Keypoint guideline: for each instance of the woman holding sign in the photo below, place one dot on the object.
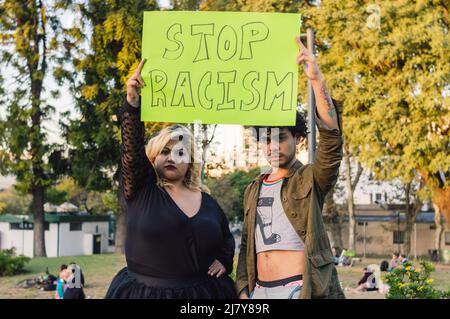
(178, 241)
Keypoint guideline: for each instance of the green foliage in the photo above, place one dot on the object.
(10, 264)
(271, 5)
(75, 194)
(25, 52)
(408, 282)
(387, 61)
(14, 202)
(29, 49)
(110, 201)
(55, 197)
(99, 203)
(95, 202)
(392, 78)
(252, 5)
(228, 190)
(114, 31)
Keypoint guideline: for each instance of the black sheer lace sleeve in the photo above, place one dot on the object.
(137, 171)
(226, 251)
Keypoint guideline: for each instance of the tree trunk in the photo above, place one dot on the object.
(441, 198)
(408, 233)
(332, 220)
(36, 75)
(411, 212)
(205, 144)
(409, 221)
(439, 229)
(350, 204)
(38, 224)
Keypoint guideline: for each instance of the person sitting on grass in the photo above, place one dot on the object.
(75, 283)
(366, 283)
(402, 259)
(336, 255)
(60, 283)
(394, 261)
(383, 288)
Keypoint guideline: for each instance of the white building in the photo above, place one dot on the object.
(65, 234)
(368, 191)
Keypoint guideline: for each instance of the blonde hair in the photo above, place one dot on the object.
(192, 180)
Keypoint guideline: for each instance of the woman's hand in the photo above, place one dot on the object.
(134, 85)
(216, 269)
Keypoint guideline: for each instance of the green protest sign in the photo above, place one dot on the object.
(220, 67)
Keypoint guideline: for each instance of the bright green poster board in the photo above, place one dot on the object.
(220, 67)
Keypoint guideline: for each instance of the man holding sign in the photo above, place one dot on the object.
(285, 251)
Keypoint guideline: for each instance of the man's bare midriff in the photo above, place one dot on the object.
(279, 264)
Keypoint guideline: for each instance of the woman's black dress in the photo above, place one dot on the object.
(167, 252)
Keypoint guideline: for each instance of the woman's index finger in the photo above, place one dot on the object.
(140, 66)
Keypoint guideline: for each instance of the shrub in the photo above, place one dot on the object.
(407, 282)
(10, 264)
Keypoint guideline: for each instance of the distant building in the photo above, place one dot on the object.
(380, 216)
(380, 230)
(65, 234)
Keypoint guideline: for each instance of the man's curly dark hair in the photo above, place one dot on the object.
(299, 129)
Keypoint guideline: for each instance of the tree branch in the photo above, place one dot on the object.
(358, 175)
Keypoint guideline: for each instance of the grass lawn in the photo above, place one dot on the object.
(100, 269)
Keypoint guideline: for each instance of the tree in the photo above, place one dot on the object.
(413, 201)
(253, 5)
(113, 30)
(205, 141)
(229, 189)
(186, 4)
(332, 218)
(439, 193)
(55, 197)
(389, 65)
(14, 202)
(74, 193)
(350, 186)
(28, 45)
(219, 5)
(94, 202)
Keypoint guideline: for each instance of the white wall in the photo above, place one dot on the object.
(22, 240)
(3, 235)
(71, 243)
(88, 246)
(51, 240)
(76, 243)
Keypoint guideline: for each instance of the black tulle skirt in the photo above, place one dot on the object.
(127, 285)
